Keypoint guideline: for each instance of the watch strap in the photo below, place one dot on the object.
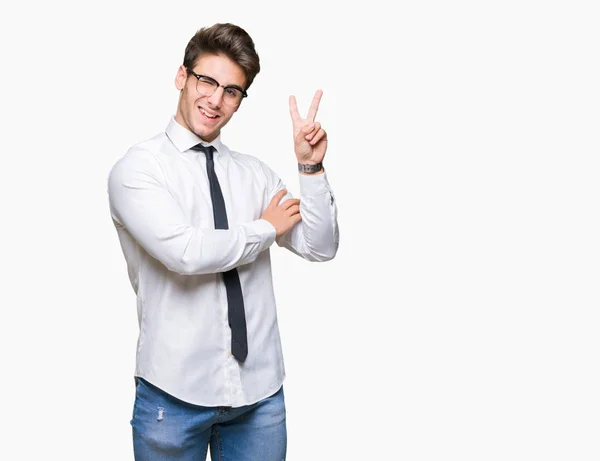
(309, 168)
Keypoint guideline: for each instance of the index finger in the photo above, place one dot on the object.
(289, 202)
(312, 112)
(294, 109)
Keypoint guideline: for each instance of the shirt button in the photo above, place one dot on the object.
(230, 354)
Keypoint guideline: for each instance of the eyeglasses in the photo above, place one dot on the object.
(206, 86)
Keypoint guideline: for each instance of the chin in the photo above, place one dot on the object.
(205, 132)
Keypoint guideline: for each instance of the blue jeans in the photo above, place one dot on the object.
(166, 428)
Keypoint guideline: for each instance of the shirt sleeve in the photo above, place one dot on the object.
(316, 237)
(141, 202)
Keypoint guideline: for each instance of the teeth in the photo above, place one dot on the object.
(208, 115)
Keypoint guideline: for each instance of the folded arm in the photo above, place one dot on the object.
(141, 202)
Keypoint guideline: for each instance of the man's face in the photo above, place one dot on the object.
(206, 115)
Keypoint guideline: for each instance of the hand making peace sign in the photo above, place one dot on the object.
(310, 140)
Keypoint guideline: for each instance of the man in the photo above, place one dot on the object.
(195, 221)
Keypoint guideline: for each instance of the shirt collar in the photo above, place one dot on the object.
(184, 139)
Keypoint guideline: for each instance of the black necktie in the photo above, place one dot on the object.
(235, 299)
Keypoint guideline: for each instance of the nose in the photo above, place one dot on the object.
(216, 98)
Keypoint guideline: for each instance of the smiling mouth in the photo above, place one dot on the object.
(208, 115)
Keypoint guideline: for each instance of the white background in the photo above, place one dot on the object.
(460, 317)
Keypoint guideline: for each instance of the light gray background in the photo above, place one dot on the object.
(460, 317)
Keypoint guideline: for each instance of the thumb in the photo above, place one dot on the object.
(277, 197)
(300, 138)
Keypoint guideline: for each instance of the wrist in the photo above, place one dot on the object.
(310, 167)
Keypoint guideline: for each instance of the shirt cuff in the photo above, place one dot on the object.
(261, 231)
(313, 184)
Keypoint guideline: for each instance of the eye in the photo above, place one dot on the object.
(233, 92)
(206, 81)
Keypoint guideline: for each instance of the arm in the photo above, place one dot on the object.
(316, 236)
(141, 202)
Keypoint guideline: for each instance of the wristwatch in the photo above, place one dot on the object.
(308, 168)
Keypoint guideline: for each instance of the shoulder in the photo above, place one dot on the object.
(143, 156)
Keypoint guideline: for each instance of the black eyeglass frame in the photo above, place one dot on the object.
(235, 87)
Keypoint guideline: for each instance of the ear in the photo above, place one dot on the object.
(180, 78)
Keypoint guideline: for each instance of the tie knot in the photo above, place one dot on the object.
(208, 150)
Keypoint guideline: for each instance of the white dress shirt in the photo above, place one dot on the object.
(161, 206)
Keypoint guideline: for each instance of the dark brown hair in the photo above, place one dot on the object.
(226, 39)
